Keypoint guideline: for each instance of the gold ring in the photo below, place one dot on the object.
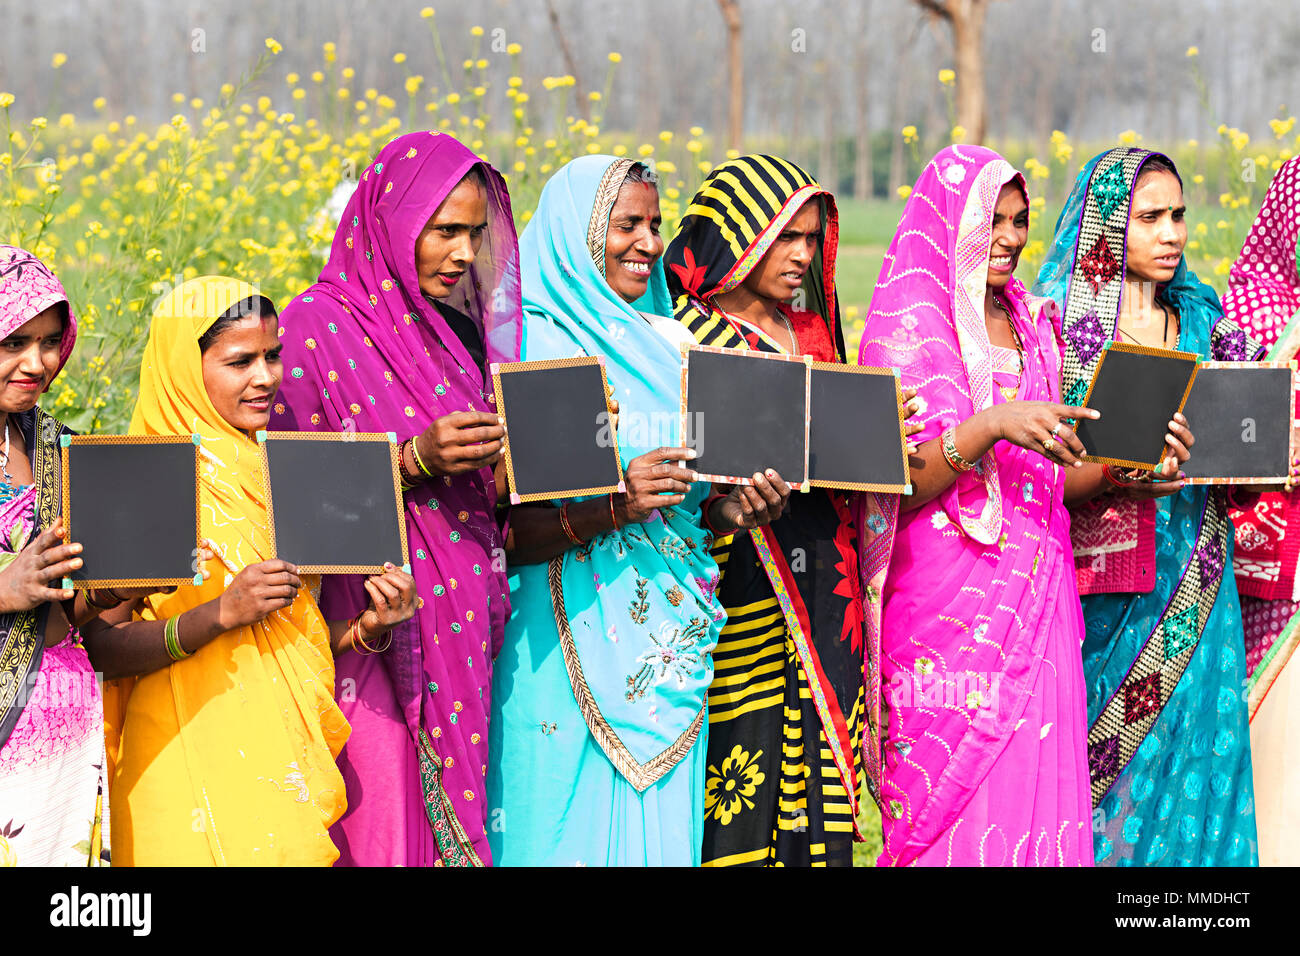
(1049, 445)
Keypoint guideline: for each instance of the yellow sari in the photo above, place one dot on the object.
(226, 757)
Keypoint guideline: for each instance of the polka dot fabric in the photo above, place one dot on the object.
(1264, 285)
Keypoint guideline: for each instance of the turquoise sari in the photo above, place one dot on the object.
(1169, 740)
(598, 731)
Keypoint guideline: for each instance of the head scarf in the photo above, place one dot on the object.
(247, 727)
(1264, 285)
(571, 309)
(740, 209)
(931, 291)
(28, 288)
(364, 350)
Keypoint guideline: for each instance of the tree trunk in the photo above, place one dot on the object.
(735, 73)
(584, 105)
(966, 20)
(862, 185)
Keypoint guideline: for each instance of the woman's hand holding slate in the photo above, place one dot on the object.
(1040, 427)
(461, 442)
(1166, 478)
(257, 592)
(392, 601)
(25, 583)
(752, 506)
(653, 482)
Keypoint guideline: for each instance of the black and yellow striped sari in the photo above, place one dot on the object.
(787, 707)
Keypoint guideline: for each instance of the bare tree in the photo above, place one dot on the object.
(862, 187)
(584, 106)
(735, 72)
(966, 20)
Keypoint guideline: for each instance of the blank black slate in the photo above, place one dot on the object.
(854, 435)
(746, 413)
(132, 509)
(334, 503)
(1137, 395)
(1241, 418)
(560, 441)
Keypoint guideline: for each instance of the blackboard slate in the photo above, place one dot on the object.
(1137, 390)
(559, 439)
(745, 412)
(334, 501)
(1242, 414)
(855, 429)
(131, 503)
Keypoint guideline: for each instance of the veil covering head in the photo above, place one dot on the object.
(246, 729)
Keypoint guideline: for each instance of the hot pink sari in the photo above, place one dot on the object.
(985, 752)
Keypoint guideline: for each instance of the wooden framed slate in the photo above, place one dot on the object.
(1243, 417)
(855, 429)
(132, 503)
(560, 440)
(334, 501)
(1137, 389)
(744, 412)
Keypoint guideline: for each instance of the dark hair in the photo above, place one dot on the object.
(641, 173)
(477, 175)
(1156, 163)
(253, 305)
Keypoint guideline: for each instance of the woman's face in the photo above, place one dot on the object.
(449, 241)
(1157, 228)
(780, 272)
(242, 371)
(29, 360)
(1010, 233)
(632, 243)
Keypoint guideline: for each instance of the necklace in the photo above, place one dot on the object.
(1164, 339)
(794, 345)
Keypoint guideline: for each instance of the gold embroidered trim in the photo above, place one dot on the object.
(606, 193)
(640, 775)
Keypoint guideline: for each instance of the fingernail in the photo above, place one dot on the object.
(76, 562)
(692, 454)
(1078, 464)
(76, 549)
(501, 420)
(695, 476)
(757, 476)
(388, 566)
(770, 473)
(1182, 474)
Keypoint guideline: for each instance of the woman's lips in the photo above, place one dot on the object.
(260, 404)
(450, 278)
(27, 384)
(638, 267)
(1002, 263)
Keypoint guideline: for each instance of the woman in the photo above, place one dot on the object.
(984, 756)
(598, 735)
(788, 709)
(52, 783)
(1263, 295)
(420, 294)
(228, 737)
(1168, 744)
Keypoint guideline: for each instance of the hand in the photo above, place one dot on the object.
(613, 413)
(653, 482)
(1166, 478)
(910, 408)
(1292, 475)
(392, 601)
(25, 583)
(752, 506)
(257, 592)
(461, 442)
(1040, 427)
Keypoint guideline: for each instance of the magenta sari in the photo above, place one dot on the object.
(365, 351)
(985, 756)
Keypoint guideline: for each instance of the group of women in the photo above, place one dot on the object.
(1028, 660)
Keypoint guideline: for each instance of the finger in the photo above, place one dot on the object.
(1074, 411)
(666, 486)
(676, 472)
(60, 553)
(668, 454)
(468, 453)
(278, 592)
(913, 429)
(63, 569)
(481, 433)
(285, 577)
(391, 593)
(377, 599)
(778, 483)
(49, 595)
(47, 538)
(1178, 448)
(909, 394)
(460, 420)
(1183, 434)
(771, 497)
(613, 406)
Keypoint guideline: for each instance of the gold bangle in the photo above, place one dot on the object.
(359, 644)
(948, 442)
(172, 639)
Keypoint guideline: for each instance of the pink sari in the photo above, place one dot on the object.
(985, 755)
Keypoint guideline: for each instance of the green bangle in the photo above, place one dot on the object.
(415, 453)
(172, 640)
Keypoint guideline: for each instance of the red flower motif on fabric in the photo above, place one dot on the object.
(1099, 265)
(690, 274)
(1142, 698)
(849, 585)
